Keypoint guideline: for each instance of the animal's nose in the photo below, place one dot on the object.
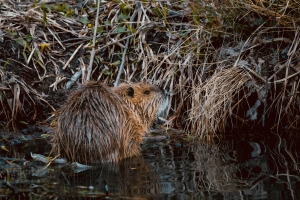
(166, 93)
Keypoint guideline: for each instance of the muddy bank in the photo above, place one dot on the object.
(220, 69)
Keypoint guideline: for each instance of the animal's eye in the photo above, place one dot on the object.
(130, 92)
(147, 92)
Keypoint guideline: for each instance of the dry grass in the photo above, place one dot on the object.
(286, 12)
(204, 53)
(214, 102)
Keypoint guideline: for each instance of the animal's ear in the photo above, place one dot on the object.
(130, 92)
(144, 80)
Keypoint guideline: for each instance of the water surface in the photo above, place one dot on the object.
(173, 169)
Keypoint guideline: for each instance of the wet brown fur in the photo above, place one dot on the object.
(103, 124)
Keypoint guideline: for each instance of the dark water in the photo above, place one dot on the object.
(265, 168)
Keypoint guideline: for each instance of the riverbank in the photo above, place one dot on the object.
(225, 65)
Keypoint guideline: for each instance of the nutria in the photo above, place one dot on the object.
(103, 124)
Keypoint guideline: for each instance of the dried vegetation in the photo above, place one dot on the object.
(225, 64)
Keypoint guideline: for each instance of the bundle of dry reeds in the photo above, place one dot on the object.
(214, 102)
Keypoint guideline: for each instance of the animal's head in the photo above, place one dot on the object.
(148, 100)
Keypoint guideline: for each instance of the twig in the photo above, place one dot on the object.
(137, 6)
(51, 161)
(254, 73)
(29, 58)
(67, 63)
(73, 79)
(267, 73)
(56, 38)
(89, 68)
(16, 62)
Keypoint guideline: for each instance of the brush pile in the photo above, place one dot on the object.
(225, 64)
